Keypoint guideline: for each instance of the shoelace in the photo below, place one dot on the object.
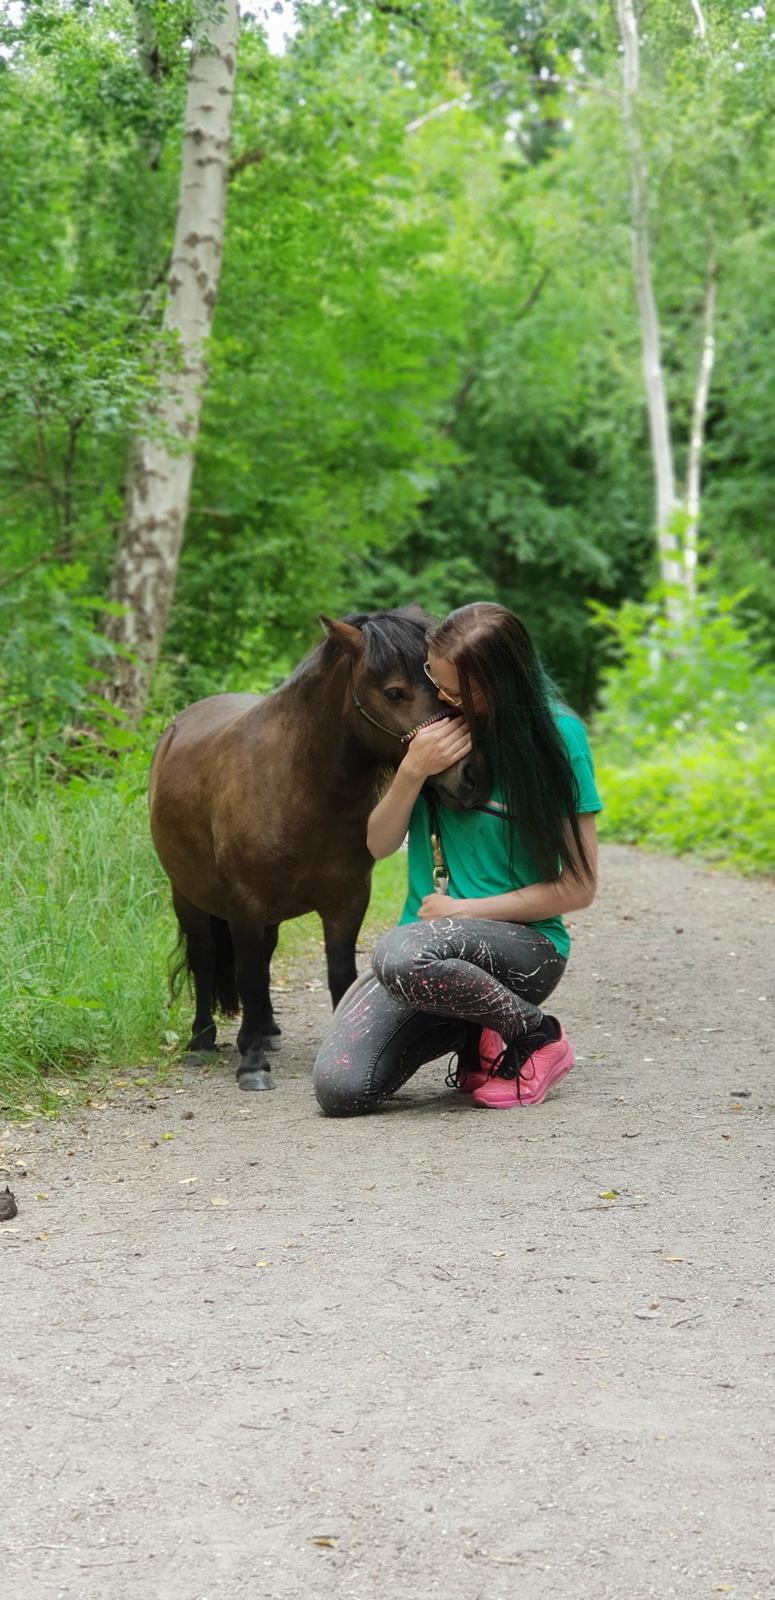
(513, 1066)
(495, 1065)
(508, 1064)
(452, 1078)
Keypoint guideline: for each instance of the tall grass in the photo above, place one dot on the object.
(87, 931)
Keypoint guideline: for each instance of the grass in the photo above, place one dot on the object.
(86, 934)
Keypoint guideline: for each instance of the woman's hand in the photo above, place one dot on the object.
(442, 905)
(434, 749)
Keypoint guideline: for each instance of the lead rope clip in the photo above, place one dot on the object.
(440, 875)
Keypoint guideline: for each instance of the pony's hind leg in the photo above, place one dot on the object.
(200, 959)
(252, 969)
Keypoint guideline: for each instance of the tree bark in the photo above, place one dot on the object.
(161, 462)
(670, 565)
(702, 27)
(699, 411)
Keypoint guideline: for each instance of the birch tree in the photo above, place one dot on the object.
(162, 458)
(697, 436)
(670, 565)
(677, 561)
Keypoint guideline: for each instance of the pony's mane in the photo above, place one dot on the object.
(392, 639)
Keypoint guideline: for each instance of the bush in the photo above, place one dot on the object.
(685, 737)
(52, 661)
(714, 801)
(676, 679)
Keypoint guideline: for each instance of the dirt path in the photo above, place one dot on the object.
(251, 1352)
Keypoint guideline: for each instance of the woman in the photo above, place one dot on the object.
(489, 950)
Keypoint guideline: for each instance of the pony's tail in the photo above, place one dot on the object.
(225, 997)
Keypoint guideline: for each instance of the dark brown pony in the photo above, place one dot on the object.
(259, 811)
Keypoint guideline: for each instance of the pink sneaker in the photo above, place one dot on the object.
(539, 1074)
(488, 1052)
(468, 1082)
(469, 1079)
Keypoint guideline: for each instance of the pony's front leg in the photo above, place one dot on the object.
(341, 928)
(270, 1028)
(252, 970)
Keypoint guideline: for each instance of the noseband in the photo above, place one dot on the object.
(406, 738)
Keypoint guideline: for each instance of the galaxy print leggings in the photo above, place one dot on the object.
(433, 987)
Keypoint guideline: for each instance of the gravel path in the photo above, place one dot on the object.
(435, 1352)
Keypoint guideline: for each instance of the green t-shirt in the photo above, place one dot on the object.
(476, 843)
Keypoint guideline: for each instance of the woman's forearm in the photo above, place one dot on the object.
(535, 902)
(389, 820)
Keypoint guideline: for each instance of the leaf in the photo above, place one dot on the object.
(218, 1200)
(263, 1263)
(168, 1136)
(673, 1258)
(609, 1194)
(326, 1541)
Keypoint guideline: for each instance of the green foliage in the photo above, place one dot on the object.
(713, 801)
(686, 733)
(425, 365)
(676, 678)
(51, 667)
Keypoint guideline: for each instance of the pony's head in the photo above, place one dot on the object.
(388, 695)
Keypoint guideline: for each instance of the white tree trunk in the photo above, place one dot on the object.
(670, 565)
(702, 28)
(697, 437)
(161, 462)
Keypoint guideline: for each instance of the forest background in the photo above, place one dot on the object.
(495, 319)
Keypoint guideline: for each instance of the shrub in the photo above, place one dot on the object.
(685, 738)
(700, 675)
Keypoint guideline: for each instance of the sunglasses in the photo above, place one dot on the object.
(451, 699)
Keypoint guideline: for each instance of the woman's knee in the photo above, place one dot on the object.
(338, 1097)
(389, 962)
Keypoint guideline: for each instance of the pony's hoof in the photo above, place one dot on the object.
(270, 1042)
(254, 1079)
(201, 1043)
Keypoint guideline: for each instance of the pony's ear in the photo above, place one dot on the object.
(348, 638)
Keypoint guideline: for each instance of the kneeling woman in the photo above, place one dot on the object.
(484, 955)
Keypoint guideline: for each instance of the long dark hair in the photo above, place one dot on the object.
(490, 647)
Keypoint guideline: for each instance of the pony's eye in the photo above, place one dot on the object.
(394, 695)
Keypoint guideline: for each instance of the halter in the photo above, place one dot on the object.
(406, 738)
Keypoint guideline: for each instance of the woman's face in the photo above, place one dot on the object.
(444, 675)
